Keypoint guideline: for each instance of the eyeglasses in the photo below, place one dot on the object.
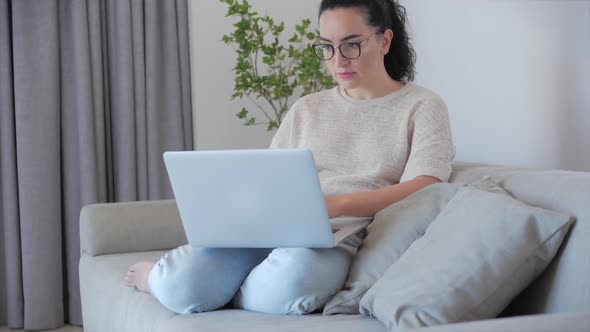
(351, 50)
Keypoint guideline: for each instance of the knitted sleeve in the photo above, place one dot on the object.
(431, 146)
(283, 138)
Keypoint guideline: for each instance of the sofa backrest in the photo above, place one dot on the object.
(565, 285)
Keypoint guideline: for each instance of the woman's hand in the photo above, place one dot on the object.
(368, 203)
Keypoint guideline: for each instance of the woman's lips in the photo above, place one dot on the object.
(344, 75)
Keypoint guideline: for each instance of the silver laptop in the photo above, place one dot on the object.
(254, 199)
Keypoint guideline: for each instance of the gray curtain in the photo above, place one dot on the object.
(91, 94)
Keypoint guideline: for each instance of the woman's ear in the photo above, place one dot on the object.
(386, 40)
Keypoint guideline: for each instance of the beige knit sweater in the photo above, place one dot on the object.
(361, 145)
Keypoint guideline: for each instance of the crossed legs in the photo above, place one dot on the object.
(279, 281)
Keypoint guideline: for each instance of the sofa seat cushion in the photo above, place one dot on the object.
(245, 321)
(111, 306)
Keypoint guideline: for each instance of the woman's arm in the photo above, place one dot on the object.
(361, 204)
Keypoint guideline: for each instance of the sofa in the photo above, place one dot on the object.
(115, 235)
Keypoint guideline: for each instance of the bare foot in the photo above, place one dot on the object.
(137, 275)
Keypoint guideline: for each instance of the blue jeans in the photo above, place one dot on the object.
(279, 281)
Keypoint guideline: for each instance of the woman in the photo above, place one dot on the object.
(376, 139)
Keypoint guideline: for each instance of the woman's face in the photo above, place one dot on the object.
(344, 25)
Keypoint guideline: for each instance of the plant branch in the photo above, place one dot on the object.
(257, 123)
(259, 107)
(287, 67)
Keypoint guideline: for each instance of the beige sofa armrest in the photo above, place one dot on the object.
(130, 227)
(562, 322)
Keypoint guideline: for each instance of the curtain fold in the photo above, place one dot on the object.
(91, 94)
(11, 288)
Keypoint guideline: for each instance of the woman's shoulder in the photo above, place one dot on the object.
(426, 104)
(422, 94)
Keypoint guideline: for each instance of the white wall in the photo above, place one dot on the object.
(515, 75)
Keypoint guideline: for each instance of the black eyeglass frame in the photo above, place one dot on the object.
(319, 48)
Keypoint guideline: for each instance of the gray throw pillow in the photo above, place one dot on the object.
(392, 231)
(480, 252)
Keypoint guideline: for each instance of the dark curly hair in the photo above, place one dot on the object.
(383, 15)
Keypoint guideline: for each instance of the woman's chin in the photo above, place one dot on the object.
(348, 83)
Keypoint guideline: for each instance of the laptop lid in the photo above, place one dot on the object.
(250, 198)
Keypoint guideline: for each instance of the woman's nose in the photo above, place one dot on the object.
(340, 60)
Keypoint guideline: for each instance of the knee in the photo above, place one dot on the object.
(294, 281)
(180, 282)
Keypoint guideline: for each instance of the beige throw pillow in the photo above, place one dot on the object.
(481, 251)
(392, 231)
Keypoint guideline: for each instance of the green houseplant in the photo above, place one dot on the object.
(269, 72)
